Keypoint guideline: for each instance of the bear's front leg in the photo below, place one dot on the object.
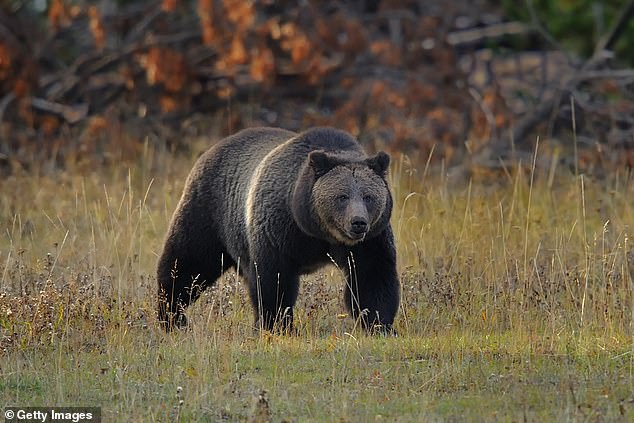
(372, 291)
(273, 290)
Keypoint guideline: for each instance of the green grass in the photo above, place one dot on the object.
(517, 305)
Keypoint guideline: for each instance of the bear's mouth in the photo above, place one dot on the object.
(356, 236)
(347, 236)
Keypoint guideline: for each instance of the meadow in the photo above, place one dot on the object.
(517, 305)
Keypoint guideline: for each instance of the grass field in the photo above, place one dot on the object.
(517, 305)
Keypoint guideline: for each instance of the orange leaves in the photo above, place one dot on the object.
(237, 52)
(250, 45)
(151, 63)
(5, 62)
(168, 103)
(49, 124)
(262, 66)
(272, 27)
(241, 13)
(488, 114)
(18, 73)
(386, 52)
(96, 27)
(306, 57)
(166, 67)
(234, 38)
(169, 5)
(294, 41)
(206, 16)
(299, 48)
(396, 99)
(58, 15)
(61, 14)
(21, 87)
(96, 125)
(235, 55)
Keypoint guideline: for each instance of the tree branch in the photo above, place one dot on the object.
(568, 84)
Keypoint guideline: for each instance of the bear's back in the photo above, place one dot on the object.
(253, 145)
(328, 139)
(279, 167)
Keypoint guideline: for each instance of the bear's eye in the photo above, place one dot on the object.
(343, 197)
(368, 198)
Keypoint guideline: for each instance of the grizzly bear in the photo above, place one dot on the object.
(275, 204)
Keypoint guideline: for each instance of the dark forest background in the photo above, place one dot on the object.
(467, 83)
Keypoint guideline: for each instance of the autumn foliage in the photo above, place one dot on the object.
(89, 78)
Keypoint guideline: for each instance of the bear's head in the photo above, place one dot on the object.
(348, 199)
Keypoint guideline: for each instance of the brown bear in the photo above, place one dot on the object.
(276, 204)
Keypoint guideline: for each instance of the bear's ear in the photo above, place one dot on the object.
(379, 163)
(321, 162)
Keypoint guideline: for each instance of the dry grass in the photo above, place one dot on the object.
(518, 303)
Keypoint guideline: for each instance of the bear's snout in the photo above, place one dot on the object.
(359, 225)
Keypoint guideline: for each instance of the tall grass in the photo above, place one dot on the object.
(501, 280)
(524, 254)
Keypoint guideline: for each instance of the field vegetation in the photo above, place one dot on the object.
(516, 259)
(517, 305)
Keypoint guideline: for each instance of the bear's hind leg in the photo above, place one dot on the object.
(183, 274)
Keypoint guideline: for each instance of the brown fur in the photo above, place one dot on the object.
(277, 204)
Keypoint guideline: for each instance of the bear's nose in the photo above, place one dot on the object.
(359, 225)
